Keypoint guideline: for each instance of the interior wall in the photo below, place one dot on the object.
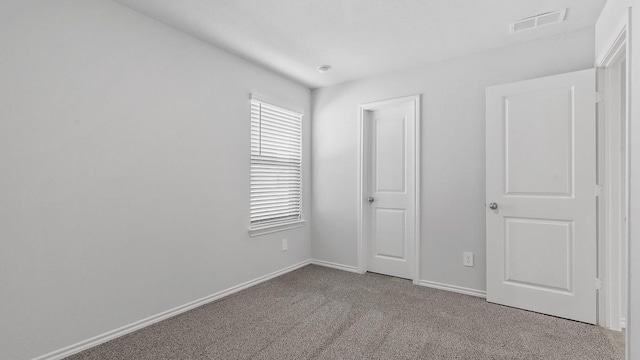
(124, 172)
(633, 314)
(453, 150)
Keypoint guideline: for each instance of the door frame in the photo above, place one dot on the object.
(363, 232)
(606, 259)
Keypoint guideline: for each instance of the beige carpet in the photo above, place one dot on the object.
(320, 313)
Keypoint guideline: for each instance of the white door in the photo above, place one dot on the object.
(390, 186)
(541, 180)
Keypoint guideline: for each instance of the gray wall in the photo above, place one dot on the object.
(453, 150)
(633, 314)
(124, 172)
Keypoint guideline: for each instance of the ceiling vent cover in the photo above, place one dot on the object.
(533, 22)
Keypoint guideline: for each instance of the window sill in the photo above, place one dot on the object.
(269, 229)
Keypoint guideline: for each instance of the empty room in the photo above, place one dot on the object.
(306, 179)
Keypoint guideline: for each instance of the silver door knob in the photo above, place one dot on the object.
(371, 199)
(493, 206)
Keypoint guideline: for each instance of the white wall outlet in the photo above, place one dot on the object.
(284, 245)
(467, 259)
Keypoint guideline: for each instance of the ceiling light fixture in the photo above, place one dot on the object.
(323, 68)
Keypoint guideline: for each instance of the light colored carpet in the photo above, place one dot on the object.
(320, 313)
(617, 338)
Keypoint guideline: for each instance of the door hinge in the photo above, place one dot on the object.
(598, 190)
(599, 97)
(598, 284)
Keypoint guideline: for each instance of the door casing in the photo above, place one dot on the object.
(363, 232)
(612, 248)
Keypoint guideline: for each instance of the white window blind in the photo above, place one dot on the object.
(276, 165)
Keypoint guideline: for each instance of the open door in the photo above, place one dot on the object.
(541, 195)
(390, 134)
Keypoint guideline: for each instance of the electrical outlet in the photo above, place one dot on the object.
(467, 259)
(284, 245)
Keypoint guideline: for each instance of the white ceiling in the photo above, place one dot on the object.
(359, 38)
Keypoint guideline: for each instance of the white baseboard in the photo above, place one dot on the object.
(431, 284)
(328, 264)
(623, 323)
(453, 288)
(110, 335)
(97, 340)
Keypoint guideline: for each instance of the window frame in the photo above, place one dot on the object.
(267, 226)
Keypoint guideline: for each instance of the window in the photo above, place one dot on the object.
(276, 168)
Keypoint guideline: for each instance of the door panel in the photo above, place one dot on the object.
(390, 148)
(548, 134)
(390, 228)
(390, 145)
(541, 239)
(539, 253)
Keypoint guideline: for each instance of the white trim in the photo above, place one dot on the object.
(97, 340)
(273, 228)
(349, 268)
(362, 259)
(429, 284)
(621, 26)
(361, 188)
(289, 108)
(610, 268)
(418, 194)
(617, 45)
(453, 288)
(623, 323)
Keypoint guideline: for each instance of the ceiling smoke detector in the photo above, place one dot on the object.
(323, 68)
(536, 21)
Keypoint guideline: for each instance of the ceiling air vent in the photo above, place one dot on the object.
(533, 22)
